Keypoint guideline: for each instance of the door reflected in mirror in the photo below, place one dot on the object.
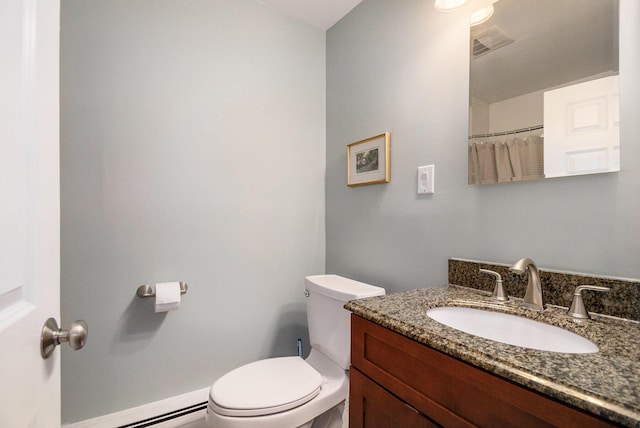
(544, 98)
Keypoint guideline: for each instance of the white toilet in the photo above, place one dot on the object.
(290, 392)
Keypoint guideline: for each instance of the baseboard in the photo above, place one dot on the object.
(169, 413)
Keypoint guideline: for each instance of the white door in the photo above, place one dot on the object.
(582, 128)
(29, 210)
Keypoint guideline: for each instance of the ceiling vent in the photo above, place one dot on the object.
(488, 41)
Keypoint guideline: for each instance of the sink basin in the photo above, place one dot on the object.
(512, 330)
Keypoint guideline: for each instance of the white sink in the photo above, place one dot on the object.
(512, 330)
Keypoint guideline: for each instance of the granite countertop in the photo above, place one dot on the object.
(606, 383)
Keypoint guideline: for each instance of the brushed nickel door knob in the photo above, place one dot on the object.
(53, 336)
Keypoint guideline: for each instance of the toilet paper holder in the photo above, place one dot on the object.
(146, 290)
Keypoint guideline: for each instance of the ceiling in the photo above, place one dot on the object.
(555, 42)
(531, 63)
(319, 13)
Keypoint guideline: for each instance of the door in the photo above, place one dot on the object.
(582, 128)
(29, 210)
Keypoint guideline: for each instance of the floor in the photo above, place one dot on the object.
(195, 424)
(330, 419)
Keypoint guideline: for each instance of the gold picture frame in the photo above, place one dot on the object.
(368, 161)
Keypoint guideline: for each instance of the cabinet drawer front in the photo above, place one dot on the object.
(449, 391)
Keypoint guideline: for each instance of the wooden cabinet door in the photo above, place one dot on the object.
(371, 406)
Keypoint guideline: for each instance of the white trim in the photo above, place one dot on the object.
(150, 410)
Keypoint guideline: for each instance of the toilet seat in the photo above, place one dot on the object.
(265, 387)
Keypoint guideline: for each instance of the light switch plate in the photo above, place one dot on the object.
(426, 178)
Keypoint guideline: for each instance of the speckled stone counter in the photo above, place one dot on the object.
(557, 287)
(606, 383)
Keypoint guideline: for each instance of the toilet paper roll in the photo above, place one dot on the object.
(167, 296)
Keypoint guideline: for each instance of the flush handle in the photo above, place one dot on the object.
(53, 336)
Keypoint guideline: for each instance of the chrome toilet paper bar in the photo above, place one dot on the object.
(146, 290)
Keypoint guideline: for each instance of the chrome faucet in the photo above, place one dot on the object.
(533, 295)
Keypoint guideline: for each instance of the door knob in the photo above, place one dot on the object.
(52, 336)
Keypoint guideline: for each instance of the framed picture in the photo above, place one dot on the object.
(368, 161)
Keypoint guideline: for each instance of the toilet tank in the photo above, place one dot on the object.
(329, 323)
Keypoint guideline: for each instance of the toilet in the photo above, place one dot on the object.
(289, 392)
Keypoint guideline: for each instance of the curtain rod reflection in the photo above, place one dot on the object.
(517, 131)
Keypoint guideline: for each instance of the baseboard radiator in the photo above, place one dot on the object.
(170, 413)
(175, 417)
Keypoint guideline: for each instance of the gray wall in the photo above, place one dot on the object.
(192, 149)
(401, 66)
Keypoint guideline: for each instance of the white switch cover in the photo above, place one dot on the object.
(426, 176)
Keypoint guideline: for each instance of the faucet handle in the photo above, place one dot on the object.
(498, 291)
(577, 309)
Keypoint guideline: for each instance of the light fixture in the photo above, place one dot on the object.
(447, 5)
(482, 15)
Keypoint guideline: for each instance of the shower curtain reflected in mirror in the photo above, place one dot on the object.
(506, 158)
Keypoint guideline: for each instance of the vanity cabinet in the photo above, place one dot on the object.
(398, 382)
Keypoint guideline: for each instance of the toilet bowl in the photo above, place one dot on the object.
(289, 392)
(276, 405)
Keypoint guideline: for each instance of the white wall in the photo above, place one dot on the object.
(403, 67)
(193, 150)
(516, 113)
(479, 117)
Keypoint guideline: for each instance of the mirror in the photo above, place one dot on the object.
(544, 99)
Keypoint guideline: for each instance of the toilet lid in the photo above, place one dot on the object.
(265, 387)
